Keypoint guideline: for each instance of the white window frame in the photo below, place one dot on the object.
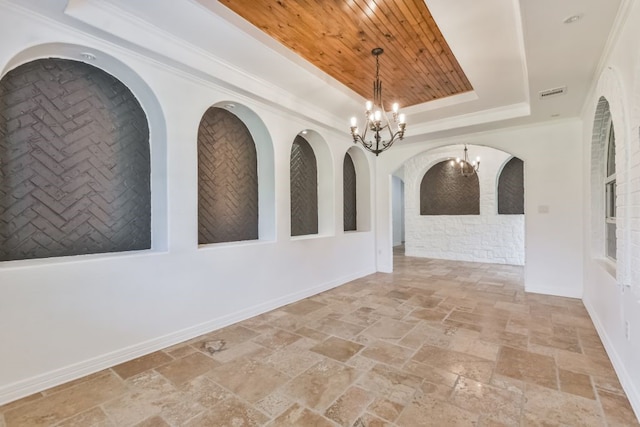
(610, 193)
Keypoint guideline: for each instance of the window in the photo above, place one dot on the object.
(75, 169)
(610, 195)
(227, 179)
(349, 194)
(304, 188)
(445, 191)
(511, 188)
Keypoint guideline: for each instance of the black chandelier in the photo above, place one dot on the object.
(467, 168)
(374, 115)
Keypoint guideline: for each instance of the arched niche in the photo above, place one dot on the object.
(149, 103)
(363, 188)
(511, 188)
(325, 180)
(266, 165)
(445, 191)
(227, 179)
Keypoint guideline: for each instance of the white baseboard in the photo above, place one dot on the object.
(567, 293)
(630, 388)
(23, 388)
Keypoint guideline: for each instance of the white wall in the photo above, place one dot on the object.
(64, 318)
(398, 211)
(612, 292)
(553, 199)
(487, 237)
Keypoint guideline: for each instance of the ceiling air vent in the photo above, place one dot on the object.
(552, 92)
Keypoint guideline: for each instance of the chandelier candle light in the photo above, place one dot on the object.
(467, 168)
(375, 114)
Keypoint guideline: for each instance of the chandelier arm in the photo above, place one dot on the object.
(358, 139)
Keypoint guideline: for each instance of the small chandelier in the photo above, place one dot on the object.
(467, 168)
(374, 115)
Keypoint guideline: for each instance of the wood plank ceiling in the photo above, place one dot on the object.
(337, 36)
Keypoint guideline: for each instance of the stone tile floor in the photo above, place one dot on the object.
(436, 343)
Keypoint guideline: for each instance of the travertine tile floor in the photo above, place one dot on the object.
(435, 343)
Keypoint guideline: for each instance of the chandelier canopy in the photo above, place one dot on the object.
(376, 119)
(467, 168)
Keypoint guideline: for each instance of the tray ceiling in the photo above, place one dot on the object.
(337, 37)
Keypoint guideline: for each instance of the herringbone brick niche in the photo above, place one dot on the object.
(444, 191)
(227, 179)
(74, 163)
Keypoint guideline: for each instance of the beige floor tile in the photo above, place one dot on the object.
(428, 314)
(361, 363)
(147, 394)
(464, 364)
(500, 404)
(617, 410)
(428, 412)
(584, 364)
(543, 406)
(249, 379)
(349, 406)
(574, 383)
(236, 351)
(180, 350)
(431, 333)
(311, 334)
(430, 373)
(476, 347)
(484, 320)
(609, 384)
(205, 392)
(305, 306)
(298, 416)
(234, 334)
(276, 339)
(153, 422)
(388, 353)
(562, 342)
(503, 337)
(385, 409)
(321, 384)
(187, 368)
(390, 383)
(337, 348)
(530, 367)
(290, 360)
(389, 329)
(94, 417)
(274, 404)
(61, 387)
(230, 413)
(369, 420)
(338, 328)
(66, 403)
(435, 391)
(141, 364)
(16, 403)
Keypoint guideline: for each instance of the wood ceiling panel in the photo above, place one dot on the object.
(337, 37)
